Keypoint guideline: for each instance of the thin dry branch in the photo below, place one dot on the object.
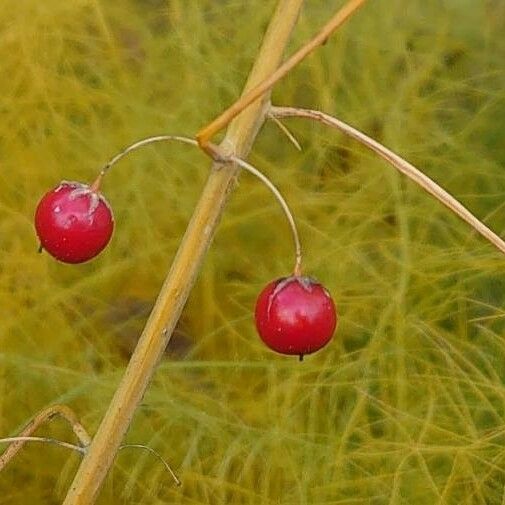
(406, 168)
(41, 418)
(168, 468)
(82, 450)
(284, 129)
(43, 440)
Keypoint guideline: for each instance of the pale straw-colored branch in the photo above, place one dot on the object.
(406, 168)
(43, 440)
(82, 450)
(41, 418)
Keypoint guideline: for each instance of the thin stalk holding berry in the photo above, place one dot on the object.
(230, 158)
(76, 199)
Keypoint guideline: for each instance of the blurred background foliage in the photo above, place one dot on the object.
(407, 405)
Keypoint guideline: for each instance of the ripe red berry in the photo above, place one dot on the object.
(73, 222)
(295, 315)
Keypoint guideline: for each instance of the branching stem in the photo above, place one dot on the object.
(181, 277)
(41, 418)
(82, 450)
(339, 18)
(225, 159)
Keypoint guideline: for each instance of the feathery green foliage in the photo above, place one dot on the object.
(407, 405)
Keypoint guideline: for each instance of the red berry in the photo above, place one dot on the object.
(295, 315)
(74, 223)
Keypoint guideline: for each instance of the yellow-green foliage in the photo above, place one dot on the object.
(407, 405)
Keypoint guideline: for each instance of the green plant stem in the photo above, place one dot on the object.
(180, 279)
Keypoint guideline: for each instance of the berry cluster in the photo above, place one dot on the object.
(294, 315)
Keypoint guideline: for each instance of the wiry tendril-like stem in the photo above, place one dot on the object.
(83, 450)
(41, 418)
(222, 158)
(158, 456)
(133, 147)
(296, 238)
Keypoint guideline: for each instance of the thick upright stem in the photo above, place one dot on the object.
(181, 277)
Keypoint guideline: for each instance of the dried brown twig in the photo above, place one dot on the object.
(41, 418)
(44, 416)
(406, 168)
(337, 20)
